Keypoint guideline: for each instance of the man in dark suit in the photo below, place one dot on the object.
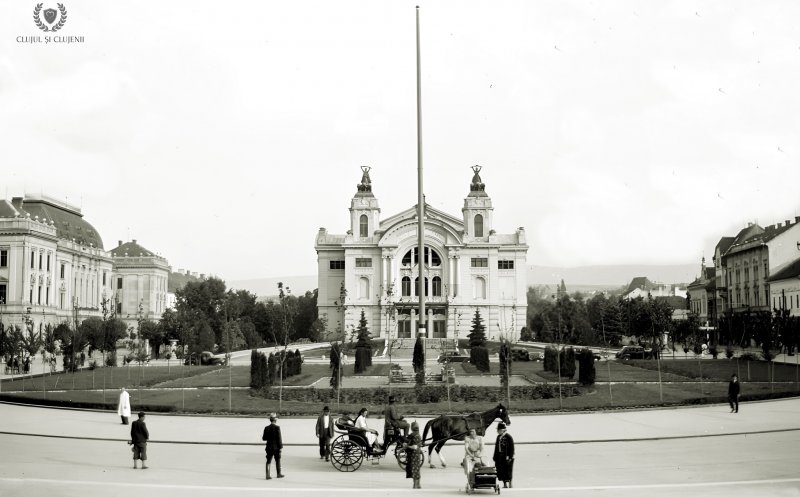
(139, 438)
(393, 419)
(504, 455)
(272, 435)
(325, 433)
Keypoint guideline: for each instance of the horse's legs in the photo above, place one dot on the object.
(438, 447)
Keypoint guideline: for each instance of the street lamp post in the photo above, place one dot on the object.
(558, 353)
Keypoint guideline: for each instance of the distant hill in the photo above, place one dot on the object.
(584, 279)
(179, 280)
(267, 287)
(613, 276)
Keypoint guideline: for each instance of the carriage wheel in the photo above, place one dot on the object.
(400, 454)
(346, 455)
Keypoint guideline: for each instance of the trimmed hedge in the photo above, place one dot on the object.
(567, 362)
(421, 394)
(550, 359)
(586, 371)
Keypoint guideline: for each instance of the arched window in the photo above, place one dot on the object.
(363, 288)
(432, 258)
(406, 286)
(478, 225)
(416, 286)
(363, 226)
(480, 288)
(437, 286)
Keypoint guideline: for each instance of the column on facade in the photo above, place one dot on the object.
(457, 271)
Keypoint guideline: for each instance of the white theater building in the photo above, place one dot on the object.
(375, 267)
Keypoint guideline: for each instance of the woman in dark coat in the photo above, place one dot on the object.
(414, 455)
(504, 455)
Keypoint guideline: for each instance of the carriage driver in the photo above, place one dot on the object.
(394, 419)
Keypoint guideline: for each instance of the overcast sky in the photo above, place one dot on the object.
(224, 134)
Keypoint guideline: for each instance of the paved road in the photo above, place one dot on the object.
(565, 454)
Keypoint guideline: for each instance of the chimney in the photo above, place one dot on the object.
(119, 243)
(788, 222)
(797, 219)
(749, 224)
(134, 240)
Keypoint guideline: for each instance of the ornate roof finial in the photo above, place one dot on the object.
(477, 185)
(366, 183)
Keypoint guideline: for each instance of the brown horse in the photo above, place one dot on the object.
(455, 427)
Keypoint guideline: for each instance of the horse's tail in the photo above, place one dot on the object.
(429, 424)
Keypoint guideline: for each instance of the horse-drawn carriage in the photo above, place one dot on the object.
(351, 447)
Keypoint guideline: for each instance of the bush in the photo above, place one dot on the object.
(111, 360)
(567, 362)
(550, 361)
(728, 351)
(697, 348)
(586, 373)
(713, 351)
(525, 334)
(92, 365)
(479, 356)
(748, 356)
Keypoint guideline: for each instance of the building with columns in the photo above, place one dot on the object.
(140, 282)
(466, 266)
(54, 267)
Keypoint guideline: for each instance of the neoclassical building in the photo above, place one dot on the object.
(466, 265)
(54, 268)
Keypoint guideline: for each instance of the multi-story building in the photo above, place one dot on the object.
(140, 282)
(702, 295)
(54, 268)
(466, 266)
(753, 255)
(784, 288)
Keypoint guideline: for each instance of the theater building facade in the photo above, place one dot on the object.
(465, 266)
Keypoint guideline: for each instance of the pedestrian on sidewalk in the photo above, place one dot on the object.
(124, 406)
(272, 435)
(504, 455)
(733, 393)
(324, 432)
(139, 438)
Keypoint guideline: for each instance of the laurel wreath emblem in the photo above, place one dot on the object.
(56, 26)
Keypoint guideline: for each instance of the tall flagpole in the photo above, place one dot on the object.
(421, 319)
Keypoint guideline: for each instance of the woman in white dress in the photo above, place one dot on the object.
(473, 453)
(370, 434)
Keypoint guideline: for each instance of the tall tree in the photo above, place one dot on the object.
(363, 346)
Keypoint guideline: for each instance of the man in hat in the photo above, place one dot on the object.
(504, 455)
(272, 435)
(139, 438)
(325, 433)
(393, 419)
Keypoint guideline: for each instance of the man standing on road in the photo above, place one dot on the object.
(325, 433)
(139, 438)
(272, 435)
(733, 393)
(124, 407)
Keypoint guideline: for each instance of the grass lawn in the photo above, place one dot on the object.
(722, 369)
(634, 384)
(109, 378)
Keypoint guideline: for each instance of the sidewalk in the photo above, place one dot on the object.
(617, 425)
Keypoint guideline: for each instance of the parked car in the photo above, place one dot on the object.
(633, 352)
(204, 359)
(452, 356)
(520, 354)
